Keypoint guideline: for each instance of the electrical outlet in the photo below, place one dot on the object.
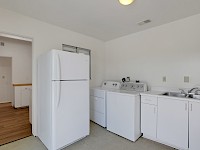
(186, 79)
(2, 43)
(164, 79)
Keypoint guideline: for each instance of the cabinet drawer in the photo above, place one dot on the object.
(97, 104)
(97, 93)
(153, 100)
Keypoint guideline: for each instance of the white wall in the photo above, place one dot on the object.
(46, 37)
(21, 53)
(171, 50)
(6, 88)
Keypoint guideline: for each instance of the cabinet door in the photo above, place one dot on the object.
(25, 96)
(194, 126)
(148, 120)
(17, 101)
(173, 122)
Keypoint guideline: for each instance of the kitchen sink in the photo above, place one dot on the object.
(195, 96)
(175, 94)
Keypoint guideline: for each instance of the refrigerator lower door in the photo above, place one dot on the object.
(70, 112)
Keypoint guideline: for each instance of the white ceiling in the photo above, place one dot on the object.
(104, 19)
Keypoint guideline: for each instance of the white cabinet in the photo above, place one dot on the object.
(22, 96)
(17, 99)
(149, 116)
(194, 126)
(171, 121)
(172, 127)
(25, 96)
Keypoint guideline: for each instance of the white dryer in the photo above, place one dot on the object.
(98, 101)
(123, 110)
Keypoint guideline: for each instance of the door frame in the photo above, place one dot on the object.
(34, 98)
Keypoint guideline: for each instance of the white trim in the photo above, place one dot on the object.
(16, 37)
(34, 103)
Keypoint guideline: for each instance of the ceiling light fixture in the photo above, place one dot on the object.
(126, 2)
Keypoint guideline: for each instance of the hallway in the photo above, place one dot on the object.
(14, 123)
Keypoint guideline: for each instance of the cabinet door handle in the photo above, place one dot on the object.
(185, 106)
(154, 110)
(190, 107)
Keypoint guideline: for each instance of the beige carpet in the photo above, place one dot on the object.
(99, 139)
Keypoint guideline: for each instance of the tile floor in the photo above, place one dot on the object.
(99, 139)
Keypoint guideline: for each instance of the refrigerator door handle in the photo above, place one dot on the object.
(59, 93)
(59, 66)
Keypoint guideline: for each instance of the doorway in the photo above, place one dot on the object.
(6, 89)
(15, 88)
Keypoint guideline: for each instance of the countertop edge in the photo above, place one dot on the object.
(24, 84)
(158, 94)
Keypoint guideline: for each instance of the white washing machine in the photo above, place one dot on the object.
(123, 110)
(98, 101)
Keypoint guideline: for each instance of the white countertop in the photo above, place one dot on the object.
(153, 93)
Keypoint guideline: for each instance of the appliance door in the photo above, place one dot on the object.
(69, 66)
(70, 112)
(123, 115)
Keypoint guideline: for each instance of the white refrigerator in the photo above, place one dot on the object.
(63, 98)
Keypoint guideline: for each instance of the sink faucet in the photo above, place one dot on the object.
(196, 92)
(182, 91)
(196, 88)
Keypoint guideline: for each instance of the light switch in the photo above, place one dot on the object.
(186, 79)
(164, 79)
(2, 43)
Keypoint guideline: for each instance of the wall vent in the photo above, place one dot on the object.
(144, 22)
(2, 43)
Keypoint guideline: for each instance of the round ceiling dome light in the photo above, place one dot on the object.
(126, 2)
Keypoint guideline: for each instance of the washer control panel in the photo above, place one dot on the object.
(111, 85)
(133, 86)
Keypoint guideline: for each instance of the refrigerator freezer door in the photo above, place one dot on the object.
(70, 112)
(69, 66)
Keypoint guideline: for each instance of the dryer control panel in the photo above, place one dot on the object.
(111, 85)
(133, 86)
